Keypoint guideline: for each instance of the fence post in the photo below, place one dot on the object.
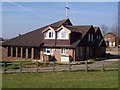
(103, 69)
(69, 65)
(21, 67)
(37, 67)
(4, 67)
(86, 65)
(53, 65)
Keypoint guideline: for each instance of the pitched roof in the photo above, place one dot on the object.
(35, 37)
(81, 28)
(61, 22)
(96, 29)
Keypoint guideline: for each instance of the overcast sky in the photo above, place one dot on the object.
(22, 17)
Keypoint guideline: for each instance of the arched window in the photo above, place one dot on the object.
(50, 34)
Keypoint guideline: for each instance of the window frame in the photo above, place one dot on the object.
(63, 51)
(62, 34)
(50, 34)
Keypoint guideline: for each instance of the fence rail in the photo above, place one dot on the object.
(54, 66)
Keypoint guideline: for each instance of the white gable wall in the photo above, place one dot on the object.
(47, 36)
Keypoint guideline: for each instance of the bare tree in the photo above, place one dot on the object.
(114, 29)
(104, 29)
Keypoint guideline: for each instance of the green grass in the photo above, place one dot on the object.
(74, 79)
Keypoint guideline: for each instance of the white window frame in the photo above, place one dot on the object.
(46, 51)
(59, 34)
(46, 34)
(63, 51)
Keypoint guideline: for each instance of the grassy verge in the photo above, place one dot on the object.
(75, 79)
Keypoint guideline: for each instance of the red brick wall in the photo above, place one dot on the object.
(4, 53)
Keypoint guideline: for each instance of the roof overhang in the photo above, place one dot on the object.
(46, 29)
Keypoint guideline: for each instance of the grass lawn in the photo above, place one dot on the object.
(66, 79)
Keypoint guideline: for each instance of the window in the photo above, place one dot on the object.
(48, 51)
(62, 34)
(50, 34)
(19, 52)
(29, 52)
(24, 53)
(9, 51)
(63, 51)
(89, 37)
(14, 51)
(92, 37)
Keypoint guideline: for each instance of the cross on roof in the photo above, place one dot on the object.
(66, 7)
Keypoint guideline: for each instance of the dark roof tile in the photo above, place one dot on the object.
(35, 37)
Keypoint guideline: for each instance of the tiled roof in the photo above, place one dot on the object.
(81, 28)
(35, 37)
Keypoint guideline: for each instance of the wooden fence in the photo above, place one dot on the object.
(52, 66)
